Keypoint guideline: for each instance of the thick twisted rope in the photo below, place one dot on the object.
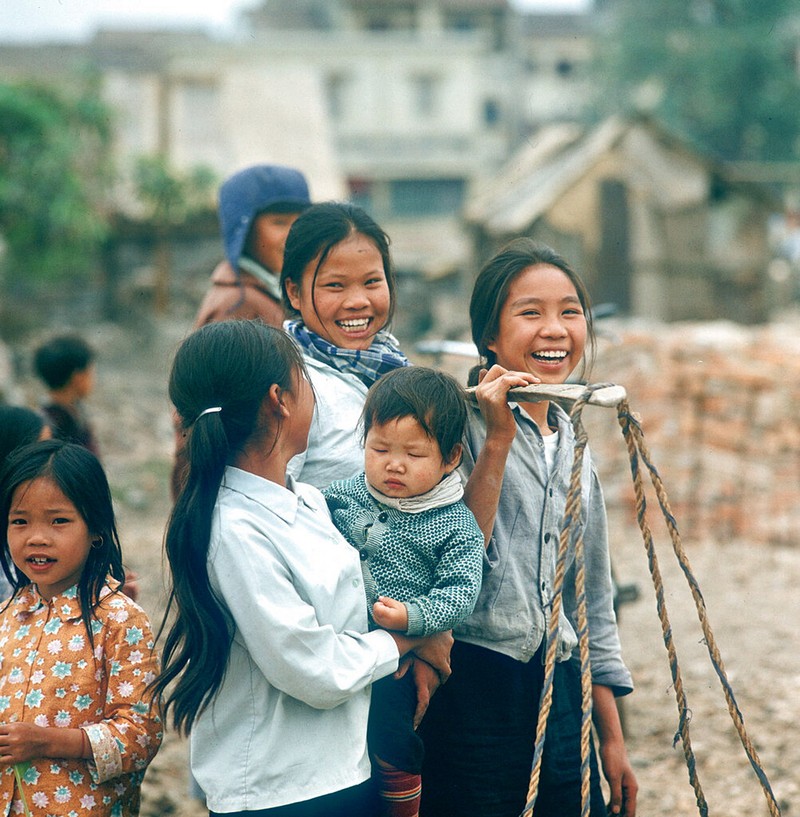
(634, 438)
(626, 420)
(571, 533)
(637, 449)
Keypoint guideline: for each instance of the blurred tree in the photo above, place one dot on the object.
(723, 73)
(171, 198)
(54, 177)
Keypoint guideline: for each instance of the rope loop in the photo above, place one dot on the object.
(572, 534)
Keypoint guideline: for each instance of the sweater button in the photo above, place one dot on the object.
(363, 554)
(383, 517)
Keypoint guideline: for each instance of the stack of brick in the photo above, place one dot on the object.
(720, 409)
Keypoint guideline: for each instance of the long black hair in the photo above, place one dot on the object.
(229, 367)
(80, 477)
(316, 232)
(490, 293)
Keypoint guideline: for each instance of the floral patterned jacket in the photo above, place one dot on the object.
(50, 676)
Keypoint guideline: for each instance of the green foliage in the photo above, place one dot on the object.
(54, 175)
(721, 72)
(172, 197)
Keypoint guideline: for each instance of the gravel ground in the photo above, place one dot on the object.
(751, 596)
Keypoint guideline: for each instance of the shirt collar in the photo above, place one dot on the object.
(283, 502)
(555, 415)
(66, 604)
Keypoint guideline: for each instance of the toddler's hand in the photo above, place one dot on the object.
(390, 614)
(20, 742)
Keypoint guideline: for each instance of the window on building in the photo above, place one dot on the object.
(426, 97)
(460, 22)
(491, 111)
(396, 16)
(379, 24)
(564, 68)
(195, 123)
(336, 95)
(361, 193)
(426, 197)
(199, 101)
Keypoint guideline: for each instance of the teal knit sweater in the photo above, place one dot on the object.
(431, 561)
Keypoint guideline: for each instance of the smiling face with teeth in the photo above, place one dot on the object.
(48, 539)
(347, 299)
(542, 327)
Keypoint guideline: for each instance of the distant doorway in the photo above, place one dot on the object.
(614, 268)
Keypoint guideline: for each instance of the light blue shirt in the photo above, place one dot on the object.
(510, 615)
(290, 720)
(334, 448)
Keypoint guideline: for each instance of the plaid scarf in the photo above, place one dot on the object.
(367, 364)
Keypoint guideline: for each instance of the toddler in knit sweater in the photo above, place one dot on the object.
(422, 551)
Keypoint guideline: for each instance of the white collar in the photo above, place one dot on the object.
(268, 279)
(445, 492)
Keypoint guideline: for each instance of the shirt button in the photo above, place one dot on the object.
(356, 582)
(363, 554)
(383, 517)
(544, 586)
(547, 537)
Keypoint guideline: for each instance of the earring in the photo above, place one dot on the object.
(97, 543)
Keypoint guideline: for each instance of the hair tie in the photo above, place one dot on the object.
(212, 410)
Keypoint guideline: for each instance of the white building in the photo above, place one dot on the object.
(405, 106)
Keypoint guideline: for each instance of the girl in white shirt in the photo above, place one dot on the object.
(269, 650)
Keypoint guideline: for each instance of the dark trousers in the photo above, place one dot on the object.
(480, 732)
(358, 801)
(390, 731)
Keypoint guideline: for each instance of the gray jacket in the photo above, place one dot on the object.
(511, 612)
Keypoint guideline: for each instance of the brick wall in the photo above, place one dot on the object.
(720, 409)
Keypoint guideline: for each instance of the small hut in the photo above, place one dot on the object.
(656, 227)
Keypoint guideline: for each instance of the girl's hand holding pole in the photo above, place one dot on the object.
(492, 396)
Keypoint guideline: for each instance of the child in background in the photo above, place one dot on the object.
(420, 546)
(66, 366)
(76, 655)
(257, 206)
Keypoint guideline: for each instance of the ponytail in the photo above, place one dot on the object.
(228, 367)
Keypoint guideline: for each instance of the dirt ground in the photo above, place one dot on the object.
(751, 596)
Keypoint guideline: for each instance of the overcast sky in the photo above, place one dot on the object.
(26, 20)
